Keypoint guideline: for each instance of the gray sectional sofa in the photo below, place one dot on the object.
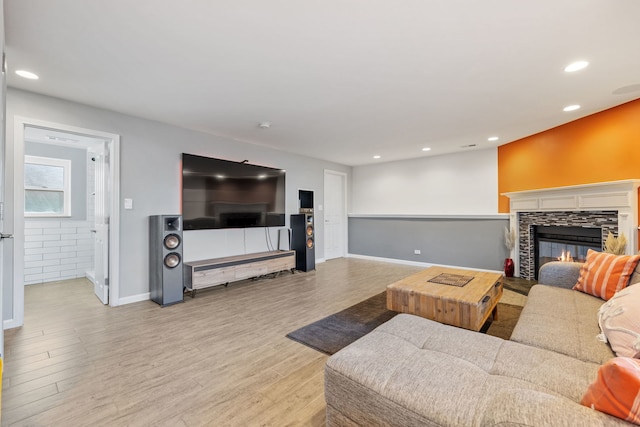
(413, 371)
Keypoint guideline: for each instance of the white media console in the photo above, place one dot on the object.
(221, 271)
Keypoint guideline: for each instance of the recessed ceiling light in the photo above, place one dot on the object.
(376, 157)
(571, 107)
(627, 89)
(264, 125)
(492, 138)
(27, 74)
(426, 149)
(575, 66)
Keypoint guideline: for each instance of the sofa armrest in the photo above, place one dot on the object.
(560, 274)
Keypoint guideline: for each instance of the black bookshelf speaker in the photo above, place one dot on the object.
(165, 259)
(303, 241)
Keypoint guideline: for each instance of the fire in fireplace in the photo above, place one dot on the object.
(562, 243)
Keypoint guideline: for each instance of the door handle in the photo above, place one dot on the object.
(6, 236)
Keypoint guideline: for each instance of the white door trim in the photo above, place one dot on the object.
(18, 205)
(345, 237)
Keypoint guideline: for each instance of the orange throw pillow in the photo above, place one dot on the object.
(616, 391)
(603, 274)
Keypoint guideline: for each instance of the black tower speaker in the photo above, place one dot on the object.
(165, 259)
(303, 241)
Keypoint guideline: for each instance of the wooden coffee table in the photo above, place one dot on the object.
(466, 301)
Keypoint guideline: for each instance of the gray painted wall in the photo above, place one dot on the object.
(463, 242)
(150, 172)
(150, 175)
(78, 159)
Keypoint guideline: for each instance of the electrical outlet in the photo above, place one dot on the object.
(416, 251)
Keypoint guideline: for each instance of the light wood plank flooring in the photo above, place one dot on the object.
(220, 359)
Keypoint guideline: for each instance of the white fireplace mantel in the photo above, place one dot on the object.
(620, 196)
(600, 196)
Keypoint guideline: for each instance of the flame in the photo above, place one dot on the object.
(565, 257)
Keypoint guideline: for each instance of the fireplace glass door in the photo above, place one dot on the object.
(559, 243)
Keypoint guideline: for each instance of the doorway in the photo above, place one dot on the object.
(92, 227)
(335, 214)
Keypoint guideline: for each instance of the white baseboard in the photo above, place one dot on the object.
(320, 260)
(10, 324)
(90, 275)
(391, 260)
(134, 298)
(417, 264)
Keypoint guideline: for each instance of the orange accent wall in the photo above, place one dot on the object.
(598, 148)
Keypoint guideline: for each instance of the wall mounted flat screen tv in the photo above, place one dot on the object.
(224, 194)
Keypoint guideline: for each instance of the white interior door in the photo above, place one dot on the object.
(5, 261)
(101, 225)
(335, 214)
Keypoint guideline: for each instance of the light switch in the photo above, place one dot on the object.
(128, 204)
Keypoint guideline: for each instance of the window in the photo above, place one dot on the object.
(47, 187)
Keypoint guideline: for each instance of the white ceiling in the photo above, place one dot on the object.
(341, 80)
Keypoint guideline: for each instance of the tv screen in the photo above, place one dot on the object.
(224, 194)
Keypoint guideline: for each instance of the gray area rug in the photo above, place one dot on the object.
(335, 332)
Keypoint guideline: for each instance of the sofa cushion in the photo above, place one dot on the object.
(604, 274)
(394, 374)
(564, 321)
(619, 320)
(560, 274)
(616, 391)
(534, 408)
(413, 371)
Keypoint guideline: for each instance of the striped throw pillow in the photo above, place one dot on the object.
(616, 390)
(604, 274)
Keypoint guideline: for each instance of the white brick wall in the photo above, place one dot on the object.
(57, 250)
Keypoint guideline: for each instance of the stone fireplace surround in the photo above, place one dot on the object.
(607, 221)
(612, 206)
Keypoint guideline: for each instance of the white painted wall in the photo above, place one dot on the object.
(233, 241)
(56, 250)
(454, 184)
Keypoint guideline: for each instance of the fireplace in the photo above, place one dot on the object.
(560, 243)
(605, 206)
(602, 222)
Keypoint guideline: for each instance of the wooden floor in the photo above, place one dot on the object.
(220, 359)
(516, 284)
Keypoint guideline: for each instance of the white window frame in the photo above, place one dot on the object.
(66, 190)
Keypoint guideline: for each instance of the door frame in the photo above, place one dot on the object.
(345, 234)
(113, 143)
